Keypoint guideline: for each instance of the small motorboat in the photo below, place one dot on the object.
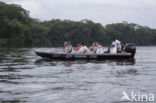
(128, 52)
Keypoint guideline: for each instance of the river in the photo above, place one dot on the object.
(25, 77)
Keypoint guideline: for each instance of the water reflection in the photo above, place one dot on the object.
(12, 101)
(68, 63)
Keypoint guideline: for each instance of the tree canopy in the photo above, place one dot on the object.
(18, 29)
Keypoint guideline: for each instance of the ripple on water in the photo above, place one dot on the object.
(24, 77)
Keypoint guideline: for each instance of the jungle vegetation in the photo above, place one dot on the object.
(18, 29)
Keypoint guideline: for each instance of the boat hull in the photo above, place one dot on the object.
(69, 56)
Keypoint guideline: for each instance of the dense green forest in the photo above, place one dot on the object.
(18, 29)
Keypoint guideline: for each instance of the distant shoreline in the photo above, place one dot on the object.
(20, 30)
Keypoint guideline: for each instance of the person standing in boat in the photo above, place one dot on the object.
(117, 44)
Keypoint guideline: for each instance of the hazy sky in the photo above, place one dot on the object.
(142, 12)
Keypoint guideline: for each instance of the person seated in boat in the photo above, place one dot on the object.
(83, 49)
(65, 44)
(68, 48)
(78, 47)
(76, 50)
(93, 48)
(99, 48)
(117, 44)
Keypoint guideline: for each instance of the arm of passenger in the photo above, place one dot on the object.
(63, 50)
(69, 51)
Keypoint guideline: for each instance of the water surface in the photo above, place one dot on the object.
(25, 77)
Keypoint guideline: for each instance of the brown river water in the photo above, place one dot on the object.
(25, 77)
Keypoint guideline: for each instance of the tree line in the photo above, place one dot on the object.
(18, 29)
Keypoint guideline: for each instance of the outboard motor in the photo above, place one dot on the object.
(130, 48)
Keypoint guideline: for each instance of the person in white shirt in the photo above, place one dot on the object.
(116, 43)
(83, 49)
(99, 48)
